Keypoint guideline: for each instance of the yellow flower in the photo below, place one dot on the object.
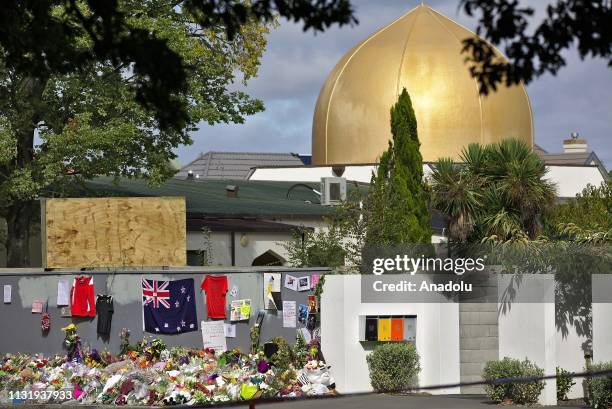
(70, 327)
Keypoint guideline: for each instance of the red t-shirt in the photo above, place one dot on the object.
(82, 302)
(215, 288)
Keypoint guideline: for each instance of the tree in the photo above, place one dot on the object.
(587, 218)
(38, 39)
(499, 192)
(340, 244)
(533, 52)
(396, 208)
(88, 121)
(316, 248)
(455, 194)
(518, 176)
(591, 209)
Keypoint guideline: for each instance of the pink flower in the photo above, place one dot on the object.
(77, 392)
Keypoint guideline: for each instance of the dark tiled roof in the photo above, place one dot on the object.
(256, 199)
(235, 165)
(580, 158)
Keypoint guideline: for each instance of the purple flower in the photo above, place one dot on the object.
(262, 366)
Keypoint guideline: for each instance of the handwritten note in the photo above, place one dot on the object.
(289, 314)
(213, 335)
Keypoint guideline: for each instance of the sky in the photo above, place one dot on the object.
(296, 63)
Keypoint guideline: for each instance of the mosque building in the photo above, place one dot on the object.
(421, 51)
(252, 203)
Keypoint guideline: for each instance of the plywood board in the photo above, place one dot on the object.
(114, 232)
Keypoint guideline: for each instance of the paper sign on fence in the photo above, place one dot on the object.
(289, 314)
(213, 335)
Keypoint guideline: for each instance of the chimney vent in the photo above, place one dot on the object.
(575, 144)
(231, 190)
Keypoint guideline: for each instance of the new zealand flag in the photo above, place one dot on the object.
(168, 307)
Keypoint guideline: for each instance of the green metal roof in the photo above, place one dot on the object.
(209, 197)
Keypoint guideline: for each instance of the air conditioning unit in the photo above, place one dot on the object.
(333, 191)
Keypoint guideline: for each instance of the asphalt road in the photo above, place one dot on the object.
(343, 402)
(396, 402)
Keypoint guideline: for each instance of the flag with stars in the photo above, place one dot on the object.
(168, 307)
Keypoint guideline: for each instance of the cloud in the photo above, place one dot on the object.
(296, 64)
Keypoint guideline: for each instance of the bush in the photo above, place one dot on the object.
(564, 383)
(601, 387)
(393, 367)
(517, 392)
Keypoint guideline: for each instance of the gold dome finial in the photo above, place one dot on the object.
(420, 51)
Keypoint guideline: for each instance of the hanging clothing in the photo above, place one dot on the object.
(215, 288)
(105, 310)
(82, 297)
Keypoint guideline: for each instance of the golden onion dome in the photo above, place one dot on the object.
(420, 51)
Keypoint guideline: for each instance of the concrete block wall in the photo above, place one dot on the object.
(478, 342)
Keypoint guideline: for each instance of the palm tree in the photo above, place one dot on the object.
(518, 175)
(499, 191)
(497, 221)
(454, 193)
(476, 157)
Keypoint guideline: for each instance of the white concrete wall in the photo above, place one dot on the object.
(570, 180)
(602, 318)
(570, 356)
(437, 336)
(528, 330)
(250, 245)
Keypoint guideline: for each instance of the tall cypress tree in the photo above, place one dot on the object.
(396, 207)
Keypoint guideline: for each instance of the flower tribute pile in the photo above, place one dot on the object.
(149, 373)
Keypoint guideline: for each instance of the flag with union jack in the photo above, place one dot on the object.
(168, 307)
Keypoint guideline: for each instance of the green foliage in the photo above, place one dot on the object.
(340, 244)
(517, 392)
(254, 337)
(591, 209)
(564, 383)
(89, 122)
(205, 252)
(396, 207)
(393, 367)
(499, 194)
(50, 37)
(283, 358)
(316, 248)
(587, 218)
(300, 351)
(600, 387)
(455, 194)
